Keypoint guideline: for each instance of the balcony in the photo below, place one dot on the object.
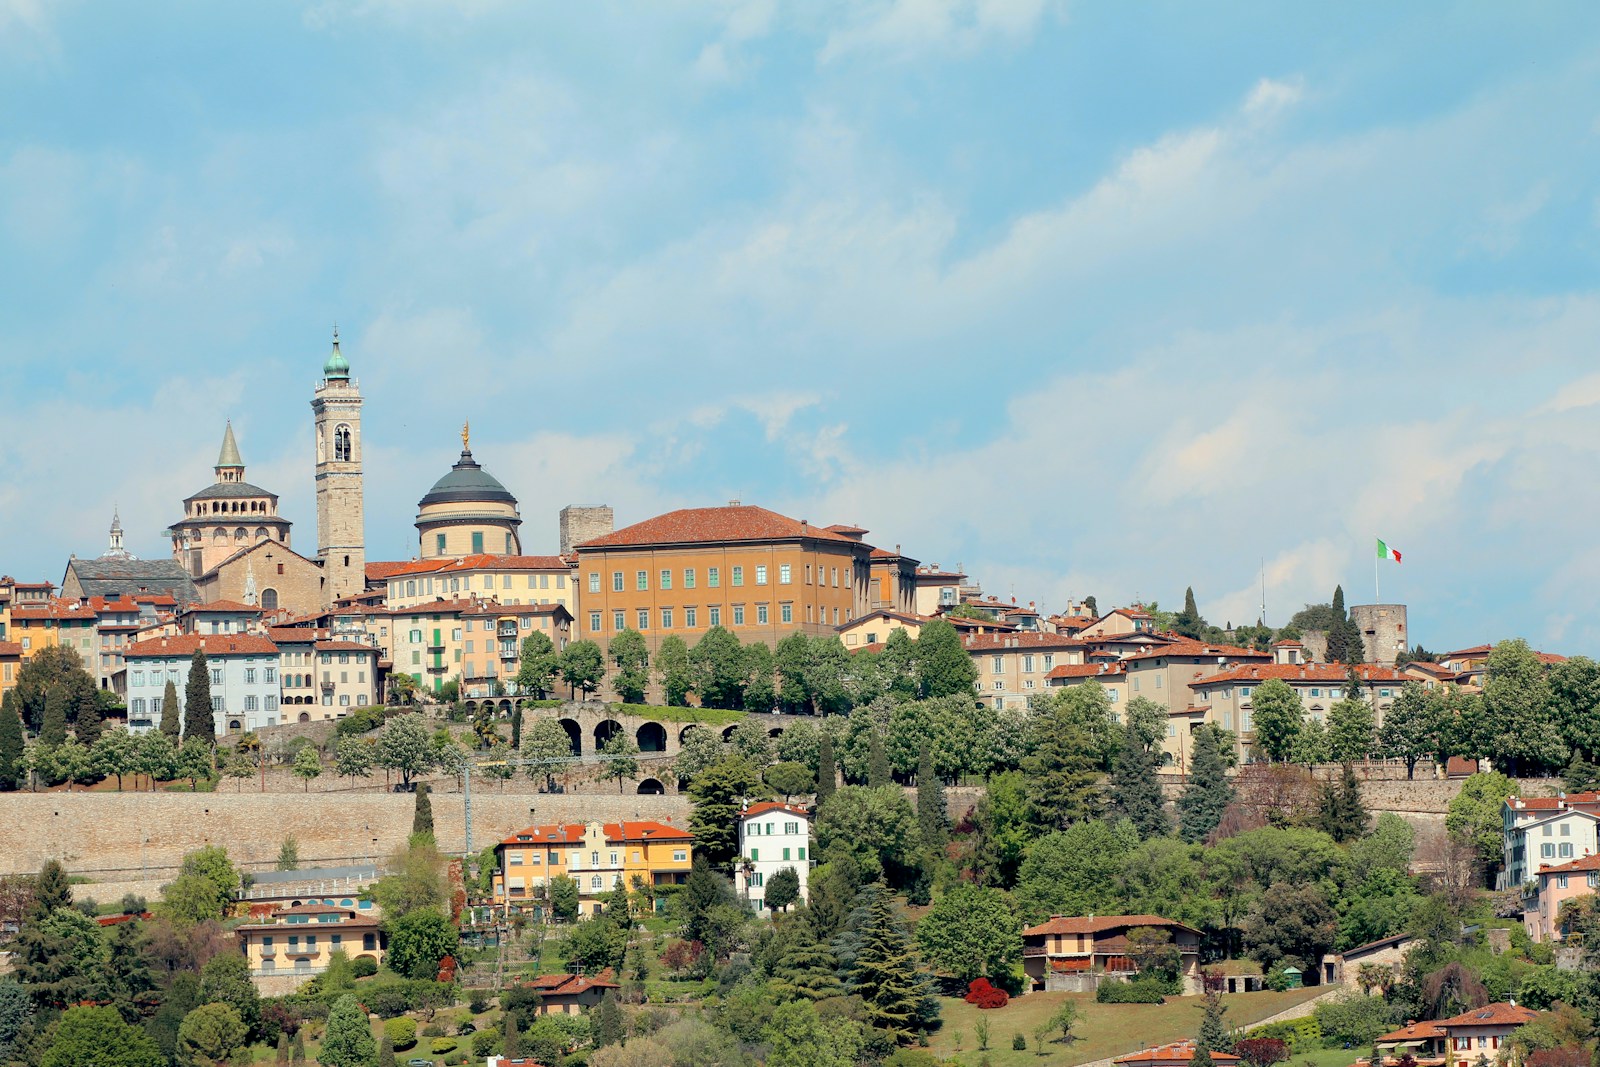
(508, 654)
(327, 687)
(507, 631)
(436, 646)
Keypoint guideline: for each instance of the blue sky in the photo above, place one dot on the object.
(1091, 298)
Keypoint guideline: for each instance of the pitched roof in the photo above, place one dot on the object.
(1501, 1014)
(230, 607)
(572, 832)
(737, 522)
(1177, 1052)
(1087, 670)
(10, 648)
(1300, 672)
(1020, 640)
(117, 577)
(1585, 863)
(772, 805)
(1094, 924)
(57, 608)
(566, 985)
(212, 644)
(472, 562)
(345, 646)
(1424, 1031)
(1183, 648)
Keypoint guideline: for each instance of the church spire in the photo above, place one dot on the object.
(228, 458)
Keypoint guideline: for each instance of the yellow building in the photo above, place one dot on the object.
(750, 570)
(467, 512)
(598, 857)
(57, 622)
(300, 940)
(426, 641)
(492, 652)
(506, 579)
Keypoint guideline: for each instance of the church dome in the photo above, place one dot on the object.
(467, 483)
(337, 366)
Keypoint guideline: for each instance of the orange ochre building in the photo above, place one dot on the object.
(597, 856)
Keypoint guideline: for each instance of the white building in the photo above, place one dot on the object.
(244, 679)
(773, 836)
(1547, 831)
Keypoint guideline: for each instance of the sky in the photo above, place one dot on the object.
(1087, 298)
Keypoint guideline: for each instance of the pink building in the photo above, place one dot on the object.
(1556, 886)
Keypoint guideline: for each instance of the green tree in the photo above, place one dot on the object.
(1411, 727)
(1135, 790)
(404, 745)
(718, 666)
(1311, 746)
(89, 722)
(289, 854)
(537, 664)
(211, 1034)
(98, 1036)
(170, 723)
(971, 932)
(1516, 699)
(1073, 871)
(797, 1035)
(607, 1023)
(418, 941)
(782, 889)
(827, 772)
(53, 729)
(307, 765)
(1352, 731)
(546, 739)
(1064, 1019)
(48, 669)
(11, 743)
(1476, 814)
(944, 666)
(790, 659)
(582, 667)
(1278, 717)
(718, 793)
(422, 813)
(1575, 705)
(807, 968)
(1188, 621)
(211, 862)
(749, 739)
(563, 897)
(1214, 1036)
(789, 779)
(114, 754)
(1208, 792)
(875, 827)
(1002, 832)
(674, 671)
(386, 1057)
(352, 758)
(623, 762)
(933, 817)
(1291, 924)
(57, 957)
(1148, 719)
(156, 758)
(347, 1041)
(631, 657)
(885, 972)
(1062, 775)
(878, 773)
(197, 718)
(225, 979)
(1341, 814)
(16, 1015)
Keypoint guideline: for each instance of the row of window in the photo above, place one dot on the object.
(755, 855)
(515, 858)
(486, 582)
(691, 617)
(641, 579)
(1593, 877)
(755, 829)
(997, 664)
(477, 544)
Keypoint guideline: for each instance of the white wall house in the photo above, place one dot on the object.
(244, 679)
(773, 836)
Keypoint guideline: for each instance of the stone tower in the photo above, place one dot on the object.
(341, 530)
(1383, 631)
(584, 524)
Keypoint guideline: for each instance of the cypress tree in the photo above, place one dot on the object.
(11, 743)
(53, 728)
(298, 1051)
(608, 1020)
(170, 724)
(1135, 790)
(281, 1057)
(197, 721)
(386, 1053)
(422, 818)
(516, 727)
(1209, 792)
(511, 1041)
(90, 722)
(827, 771)
(932, 817)
(884, 973)
(878, 762)
(1342, 815)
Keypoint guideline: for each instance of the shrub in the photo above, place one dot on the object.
(1261, 1051)
(433, 1030)
(1019, 1043)
(442, 1045)
(1138, 991)
(983, 994)
(1301, 1035)
(485, 1042)
(479, 1003)
(364, 967)
(387, 1001)
(402, 1032)
(455, 1059)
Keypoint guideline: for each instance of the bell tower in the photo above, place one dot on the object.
(341, 530)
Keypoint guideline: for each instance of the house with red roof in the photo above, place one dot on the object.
(570, 994)
(244, 679)
(773, 836)
(1176, 1054)
(1480, 1033)
(1318, 685)
(1553, 887)
(597, 856)
(1545, 831)
(1075, 953)
(1424, 1042)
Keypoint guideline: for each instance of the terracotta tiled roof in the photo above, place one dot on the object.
(773, 805)
(10, 648)
(1019, 641)
(437, 607)
(471, 562)
(1183, 647)
(566, 985)
(517, 609)
(1301, 672)
(1095, 924)
(1586, 863)
(1570, 800)
(841, 528)
(232, 607)
(345, 646)
(742, 522)
(1501, 1014)
(292, 635)
(616, 833)
(1177, 1052)
(1087, 670)
(185, 645)
(1475, 650)
(1425, 1031)
(56, 609)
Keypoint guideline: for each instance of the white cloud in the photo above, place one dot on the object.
(1270, 97)
(901, 29)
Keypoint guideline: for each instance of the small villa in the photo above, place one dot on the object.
(1075, 953)
(297, 942)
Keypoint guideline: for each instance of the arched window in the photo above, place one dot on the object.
(269, 599)
(219, 537)
(261, 533)
(341, 444)
(240, 535)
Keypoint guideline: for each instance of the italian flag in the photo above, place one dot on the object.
(1387, 551)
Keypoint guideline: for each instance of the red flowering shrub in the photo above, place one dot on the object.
(1261, 1051)
(982, 993)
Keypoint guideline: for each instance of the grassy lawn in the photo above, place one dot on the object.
(708, 716)
(1103, 1029)
(1328, 1057)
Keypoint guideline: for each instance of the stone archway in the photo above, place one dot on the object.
(574, 735)
(651, 787)
(652, 737)
(727, 735)
(605, 730)
(305, 716)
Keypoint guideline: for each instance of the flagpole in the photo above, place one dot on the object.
(1377, 597)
